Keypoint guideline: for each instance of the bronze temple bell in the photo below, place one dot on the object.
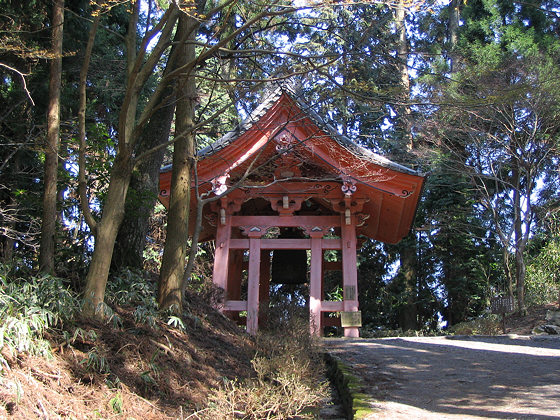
(289, 266)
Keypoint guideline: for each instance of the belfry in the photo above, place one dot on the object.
(291, 188)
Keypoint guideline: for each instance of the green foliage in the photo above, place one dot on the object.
(487, 324)
(80, 335)
(28, 307)
(493, 125)
(176, 322)
(506, 57)
(96, 361)
(113, 382)
(116, 403)
(152, 372)
(336, 294)
(543, 275)
(130, 287)
(146, 315)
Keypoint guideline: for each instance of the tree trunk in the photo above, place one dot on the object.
(139, 68)
(507, 270)
(405, 117)
(106, 233)
(82, 104)
(453, 22)
(520, 271)
(452, 29)
(175, 250)
(194, 243)
(519, 243)
(144, 188)
(144, 185)
(409, 314)
(6, 237)
(48, 228)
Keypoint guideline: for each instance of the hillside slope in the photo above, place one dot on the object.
(131, 369)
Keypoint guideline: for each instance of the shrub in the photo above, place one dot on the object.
(28, 307)
(542, 283)
(131, 287)
(275, 394)
(134, 288)
(289, 380)
(488, 324)
(540, 291)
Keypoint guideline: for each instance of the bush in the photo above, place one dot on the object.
(540, 291)
(28, 307)
(542, 283)
(485, 325)
(289, 380)
(135, 288)
(131, 287)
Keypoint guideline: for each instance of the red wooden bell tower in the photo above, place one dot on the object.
(290, 171)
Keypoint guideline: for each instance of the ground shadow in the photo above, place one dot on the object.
(486, 377)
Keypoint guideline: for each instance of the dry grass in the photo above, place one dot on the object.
(289, 380)
(487, 325)
(132, 371)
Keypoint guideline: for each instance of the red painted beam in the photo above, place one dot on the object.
(286, 221)
(285, 244)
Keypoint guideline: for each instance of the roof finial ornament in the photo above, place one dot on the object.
(287, 81)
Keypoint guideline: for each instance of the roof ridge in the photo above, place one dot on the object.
(351, 145)
(292, 88)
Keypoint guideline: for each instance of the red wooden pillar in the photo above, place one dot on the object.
(349, 271)
(315, 286)
(253, 284)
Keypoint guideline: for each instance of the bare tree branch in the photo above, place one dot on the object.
(22, 76)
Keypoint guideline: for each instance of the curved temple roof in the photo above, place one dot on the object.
(285, 125)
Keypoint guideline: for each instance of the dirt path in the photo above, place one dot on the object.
(475, 377)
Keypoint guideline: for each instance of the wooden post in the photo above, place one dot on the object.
(253, 286)
(315, 286)
(349, 273)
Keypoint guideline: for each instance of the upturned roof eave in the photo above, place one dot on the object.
(240, 129)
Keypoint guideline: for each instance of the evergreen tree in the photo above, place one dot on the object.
(496, 118)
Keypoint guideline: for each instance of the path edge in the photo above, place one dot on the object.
(356, 403)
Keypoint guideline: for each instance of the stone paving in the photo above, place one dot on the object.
(464, 377)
